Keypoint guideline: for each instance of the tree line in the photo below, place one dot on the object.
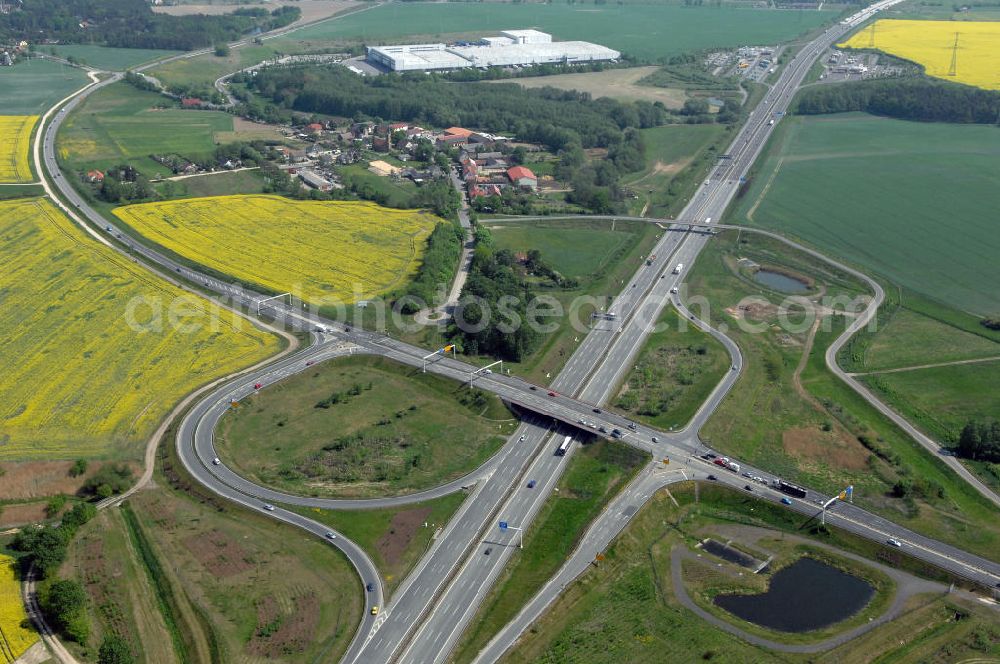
(133, 24)
(980, 441)
(919, 98)
(494, 305)
(438, 266)
(554, 118)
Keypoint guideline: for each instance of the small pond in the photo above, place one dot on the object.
(730, 554)
(804, 596)
(780, 282)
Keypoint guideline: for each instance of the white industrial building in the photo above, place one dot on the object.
(513, 47)
(527, 36)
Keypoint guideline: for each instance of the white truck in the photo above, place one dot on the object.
(680, 266)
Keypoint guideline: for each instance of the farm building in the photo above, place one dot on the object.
(522, 177)
(315, 181)
(513, 47)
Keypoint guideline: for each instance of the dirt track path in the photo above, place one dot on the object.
(928, 366)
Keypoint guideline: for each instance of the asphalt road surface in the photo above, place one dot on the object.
(452, 579)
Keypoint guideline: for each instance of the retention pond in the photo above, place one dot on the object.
(780, 282)
(804, 596)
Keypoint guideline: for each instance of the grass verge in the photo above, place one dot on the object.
(625, 608)
(788, 413)
(595, 474)
(676, 370)
(395, 539)
(362, 426)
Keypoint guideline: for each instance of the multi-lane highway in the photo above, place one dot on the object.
(429, 611)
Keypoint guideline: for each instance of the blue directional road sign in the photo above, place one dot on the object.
(503, 525)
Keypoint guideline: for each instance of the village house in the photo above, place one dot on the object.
(522, 177)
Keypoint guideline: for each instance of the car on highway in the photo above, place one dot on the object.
(523, 436)
(269, 507)
(330, 536)
(533, 388)
(370, 587)
(109, 229)
(257, 386)
(596, 410)
(674, 290)
(655, 439)
(551, 393)
(531, 484)
(894, 542)
(786, 501)
(748, 487)
(748, 475)
(488, 551)
(309, 363)
(216, 461)
(633, 426)
(374, 610)
(602, 429)
(713, 478)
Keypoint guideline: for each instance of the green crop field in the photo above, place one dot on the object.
(911, 201)
(645, 31)
(942, 399)
(911, 339)
(120, 124)
(362, 426)
(103, 57)
(31, 87)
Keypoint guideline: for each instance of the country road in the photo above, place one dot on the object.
(428, 613)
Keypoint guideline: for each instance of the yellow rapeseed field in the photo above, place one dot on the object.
(96, 351)
(322, 251)
(15, 637)
(931, 44)
(15, 141)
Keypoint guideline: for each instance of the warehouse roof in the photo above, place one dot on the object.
(484, 56)
(530, 36)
